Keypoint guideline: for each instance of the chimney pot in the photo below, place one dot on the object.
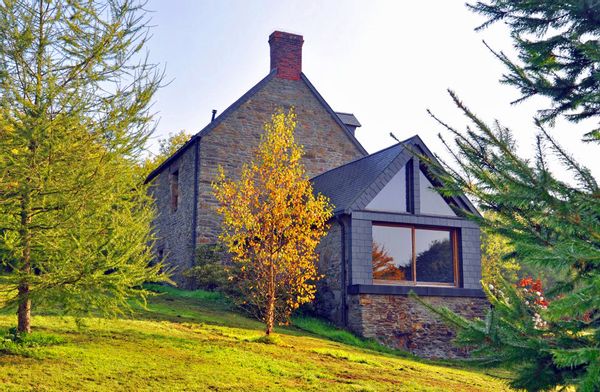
(286, 54)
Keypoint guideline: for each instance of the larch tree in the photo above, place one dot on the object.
(558, 45)
(75, 92)
(550, 340)
(272, 224)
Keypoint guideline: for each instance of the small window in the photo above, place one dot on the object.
(174, 190)
(431, 201)
(393, 195)
(414, 255)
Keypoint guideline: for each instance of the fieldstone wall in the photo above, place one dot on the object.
(174, 238)
(233, 141)
(231, 144)
(402, 322)
(328, 302)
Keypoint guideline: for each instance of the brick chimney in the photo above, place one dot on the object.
(286, 54)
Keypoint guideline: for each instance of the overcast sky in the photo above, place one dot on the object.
(385, 61)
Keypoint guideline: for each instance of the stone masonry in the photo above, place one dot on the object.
(401, 322)
(231, 144)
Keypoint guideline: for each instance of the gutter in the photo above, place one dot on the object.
(344, 289)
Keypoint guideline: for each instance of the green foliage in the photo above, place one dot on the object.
(74, 117)
(14, 343)
(167, 147)
(548, 223)
(497, 259)
(209, 272)
(559, 53)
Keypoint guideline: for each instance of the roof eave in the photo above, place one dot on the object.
(211, 125)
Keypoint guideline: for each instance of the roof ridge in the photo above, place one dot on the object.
(361, 158)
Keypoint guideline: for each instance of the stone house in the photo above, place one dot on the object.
(391, 231)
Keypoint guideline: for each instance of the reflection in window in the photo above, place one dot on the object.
(392, 196)
(431, 201)
(434, 256)
(393, 258)
(392, 253)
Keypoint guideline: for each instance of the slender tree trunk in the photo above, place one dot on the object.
(24, 309)
(270, 317)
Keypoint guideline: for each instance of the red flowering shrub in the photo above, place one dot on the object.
(533, 295)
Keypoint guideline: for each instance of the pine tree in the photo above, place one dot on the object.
(272, 224)
(558, 42)
(553, 339)
(75, 89)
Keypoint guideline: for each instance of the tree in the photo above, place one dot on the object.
(166, 147)
(75, 90)
(272, 223)
(550, 339)
(548, 223)
(384, 267)
(559, 52)
(497, 259)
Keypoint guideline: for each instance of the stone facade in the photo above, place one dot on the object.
(174, 238)
(401, 322)
(232, 143)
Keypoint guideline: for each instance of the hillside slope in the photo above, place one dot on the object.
(192, 341)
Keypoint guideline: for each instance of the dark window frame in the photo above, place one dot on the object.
(456, 254)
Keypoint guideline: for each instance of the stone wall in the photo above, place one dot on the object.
(328, 302)
(231, 144)
(401, 322)
(174, 228)
(233, 141)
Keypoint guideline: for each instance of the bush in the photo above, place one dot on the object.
(209, 272)
(14, 343)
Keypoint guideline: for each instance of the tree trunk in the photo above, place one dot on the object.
(270, 319)
(24, 310)
(270, 316)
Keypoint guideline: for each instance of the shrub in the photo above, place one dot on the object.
(14, 343)
(209, 272)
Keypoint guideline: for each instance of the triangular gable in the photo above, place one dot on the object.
(431, 202)
(393, 197)
(232, 108)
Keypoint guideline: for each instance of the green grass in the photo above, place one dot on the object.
(194, 341)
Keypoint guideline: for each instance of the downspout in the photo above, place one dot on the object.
(343, 277)
(195, 209)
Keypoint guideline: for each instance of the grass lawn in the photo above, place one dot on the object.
(193, 341)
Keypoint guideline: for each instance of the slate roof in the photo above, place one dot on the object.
(344, 184)
(348, 186)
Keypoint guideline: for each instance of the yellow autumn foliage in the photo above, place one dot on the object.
(272, 224)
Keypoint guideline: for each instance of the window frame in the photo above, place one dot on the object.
(454, 239)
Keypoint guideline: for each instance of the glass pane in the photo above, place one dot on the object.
(434, 256)
(431, 201)
(392, 253)
(393, 195)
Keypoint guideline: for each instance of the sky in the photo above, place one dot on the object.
(385, 61)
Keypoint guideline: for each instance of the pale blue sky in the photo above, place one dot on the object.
(384, 61)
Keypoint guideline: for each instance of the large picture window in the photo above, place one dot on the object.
(414, 255)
